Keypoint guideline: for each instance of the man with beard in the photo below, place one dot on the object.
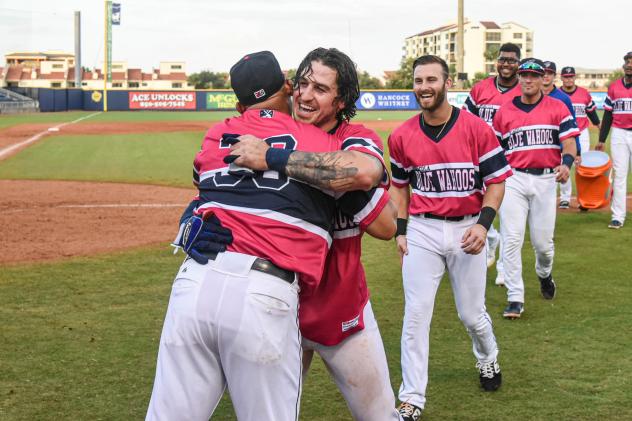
(618, 114)
(537, 133)
(585, 109)
(456, 169)
(484, 100)
(336, 319)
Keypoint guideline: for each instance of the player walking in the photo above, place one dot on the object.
(233, 321)
(446, 157)
(618, 114)
(585, 109)
(484, 100)
(537, 133)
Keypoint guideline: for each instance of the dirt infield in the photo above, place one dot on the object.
(50, 220)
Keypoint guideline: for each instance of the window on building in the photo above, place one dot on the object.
(133, 84)
(71, 84)
(492, 36)
(447, 36)
(117, 85)
(529, 37)
(55, 84)
(176, 67)
(490, 68)
(58, 66)
(117, 66)
(176, 85)
(84, 83)
(519, 46)
(144, 84)
(517, 35)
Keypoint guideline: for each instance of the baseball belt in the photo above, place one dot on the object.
(446, 218)
(535, 171)
(265, 266)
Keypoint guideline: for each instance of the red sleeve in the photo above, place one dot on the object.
(399, 174)
(378, 202)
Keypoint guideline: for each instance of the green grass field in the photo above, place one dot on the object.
(79, 337)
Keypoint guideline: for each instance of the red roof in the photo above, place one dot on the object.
(172, 76)
(118, 75)
(147, 76)
(489, 24)
(14, 73)
(431, 31)
(134, 74)
(52, 76)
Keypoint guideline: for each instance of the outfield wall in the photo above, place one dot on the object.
(205, 100)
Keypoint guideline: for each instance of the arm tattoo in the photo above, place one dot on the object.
(319, 169)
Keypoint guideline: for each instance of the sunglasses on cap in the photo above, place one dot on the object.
(507, 60)
(531, 66)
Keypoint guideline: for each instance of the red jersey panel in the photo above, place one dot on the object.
(582, 104)
(532, 139)
(485, 98)
(447, 176)
(334, 310)
(271, 216)
(619, 101)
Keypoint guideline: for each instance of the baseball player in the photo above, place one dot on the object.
(537, 133)
(232, 322)
(336, 320)
(585, 109)
(618, 114)
(484, 100)
(456, 169)
(549, 88)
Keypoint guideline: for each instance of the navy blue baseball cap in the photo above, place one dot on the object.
(568, 71)
(550, 66)
(531, 65)
(627, 55)
(256, 77)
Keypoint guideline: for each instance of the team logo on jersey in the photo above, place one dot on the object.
(439, 180)
(260, 93)
(622, 105)
(529, 137)
(487, 112)
(351, 323)
(266, 113)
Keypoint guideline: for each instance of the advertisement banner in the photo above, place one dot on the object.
(162, 100)
(400, 100)
(599, 98)
(221, 100)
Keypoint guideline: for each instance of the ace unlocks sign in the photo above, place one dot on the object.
(162, 100)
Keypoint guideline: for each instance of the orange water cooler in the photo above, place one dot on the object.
(592, 178)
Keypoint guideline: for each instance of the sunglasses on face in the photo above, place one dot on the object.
(507, 60)
(531, 66)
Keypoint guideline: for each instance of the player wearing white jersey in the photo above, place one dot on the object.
(537, 133)
(456, 169)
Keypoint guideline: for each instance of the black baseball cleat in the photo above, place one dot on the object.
(513, 310)
(614, 224)
(409, 412)
(489, 375)
(547, 287)
(564, 204)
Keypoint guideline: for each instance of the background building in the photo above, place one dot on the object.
(482, 41)
(57, 70)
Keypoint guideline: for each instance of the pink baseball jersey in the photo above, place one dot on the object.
(335, 309)
(271, 216)
(447, 175)
(532, 136)
(582, 104)
(619, 101)
(485, 98)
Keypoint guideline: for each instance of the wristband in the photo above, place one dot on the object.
(401, 226)
(486, 217)
(568, 159)
(277, 158)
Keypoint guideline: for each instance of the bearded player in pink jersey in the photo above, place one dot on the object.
(336, 319)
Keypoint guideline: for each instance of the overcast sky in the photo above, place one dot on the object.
(213, 34)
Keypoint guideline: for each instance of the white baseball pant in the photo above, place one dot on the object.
(528, 198)
(621, 150)
(228, 325)
(434, 245)
(358, 366)
(567, 188)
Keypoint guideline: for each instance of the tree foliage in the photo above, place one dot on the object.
(478, 76)
(369, 82)
(209, 80)
(617, 74)
(403, 78)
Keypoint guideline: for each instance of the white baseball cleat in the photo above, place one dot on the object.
(500, 280)
(491, 257)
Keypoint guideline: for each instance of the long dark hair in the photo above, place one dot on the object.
(347, 77)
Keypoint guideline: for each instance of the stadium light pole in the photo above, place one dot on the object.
(459, 46)
(104, 71)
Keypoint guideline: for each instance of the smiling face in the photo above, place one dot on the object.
(507, 65)
(316, 98)
(430, 85)
(568, 82)
(530, 84)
